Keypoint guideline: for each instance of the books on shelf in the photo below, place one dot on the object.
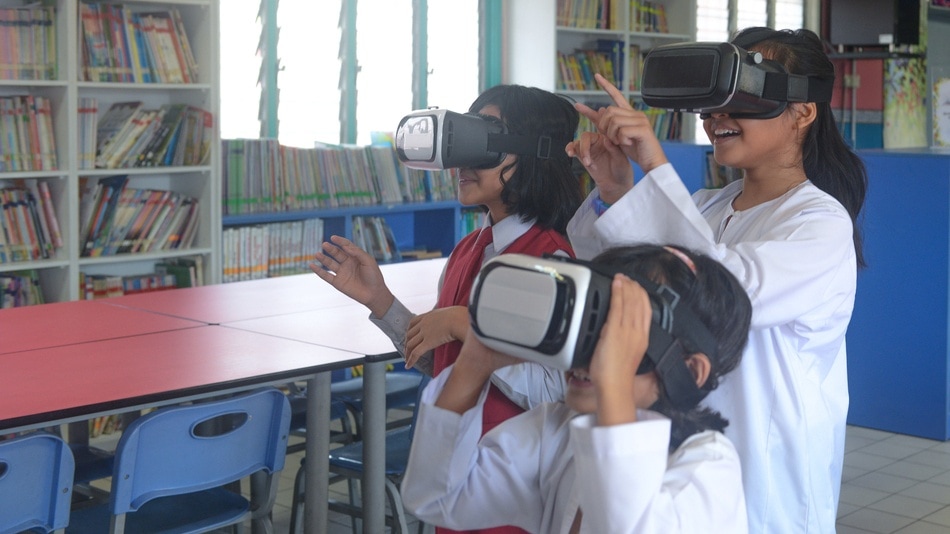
(27, 142)
(29, 227)
(261, 176)
(646, 16)
(129, 135)
(20, 288)
(28, 35)
(100, 286)
(122, 45)
(269, 250)
(117, 219)
(374, 235)
(597, 14)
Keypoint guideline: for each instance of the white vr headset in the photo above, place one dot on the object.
(434, 139)
(551, 310)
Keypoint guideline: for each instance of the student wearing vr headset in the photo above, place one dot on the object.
(622, 452)
(524, 180)
(787, 231)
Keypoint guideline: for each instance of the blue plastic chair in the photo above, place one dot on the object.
(347, 462)
(36, 480)
(172, 465)
(401, 388)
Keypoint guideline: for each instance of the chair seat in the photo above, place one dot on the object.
(178, 514)
(398, 442)
(401, 389)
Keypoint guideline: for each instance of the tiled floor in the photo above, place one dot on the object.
(894, 483)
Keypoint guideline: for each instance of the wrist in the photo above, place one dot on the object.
(598, 204)
(380, 305)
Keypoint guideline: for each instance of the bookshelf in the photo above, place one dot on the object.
(548, 33)
(360, 192)
(62, 78)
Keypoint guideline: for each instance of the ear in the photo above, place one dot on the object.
(805, 114)
(698, 364)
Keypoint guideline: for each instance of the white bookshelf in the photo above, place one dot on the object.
(59, 276)
(533, 38)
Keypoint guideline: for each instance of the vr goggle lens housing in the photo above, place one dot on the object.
(551, 310)
(435, 139)
(709, 78)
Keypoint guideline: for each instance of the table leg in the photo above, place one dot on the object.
(374, 446)
(316, 513)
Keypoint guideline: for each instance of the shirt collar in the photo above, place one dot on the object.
(507, 230)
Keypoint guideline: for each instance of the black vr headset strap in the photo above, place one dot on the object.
(784, 87)
(527, 145)
(678, 381)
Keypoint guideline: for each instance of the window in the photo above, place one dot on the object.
(453, 54)
(311, 63)
(714, 22)
(240, 67)
(308, 104)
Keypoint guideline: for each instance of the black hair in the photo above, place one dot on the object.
(717, 299)
(829, 162)
(545, 189)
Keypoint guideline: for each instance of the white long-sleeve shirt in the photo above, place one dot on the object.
(526, 384)
(787, 401)
(537, 469)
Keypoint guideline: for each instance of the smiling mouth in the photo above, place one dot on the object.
(724, 133)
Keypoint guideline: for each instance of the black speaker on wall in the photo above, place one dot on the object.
(854, 24)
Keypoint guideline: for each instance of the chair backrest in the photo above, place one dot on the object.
(36, 482)
(182, 449)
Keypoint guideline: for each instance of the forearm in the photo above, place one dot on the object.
(465, 384)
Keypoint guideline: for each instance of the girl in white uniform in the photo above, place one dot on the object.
(787, 231)
(600, 461)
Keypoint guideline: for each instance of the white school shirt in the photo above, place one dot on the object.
(536, 469)
(787, 402)
(526, 384)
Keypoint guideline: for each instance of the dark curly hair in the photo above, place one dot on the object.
(545, 189)
(716, 298)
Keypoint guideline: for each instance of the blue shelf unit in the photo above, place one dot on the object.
(429, 225)
(898, 342)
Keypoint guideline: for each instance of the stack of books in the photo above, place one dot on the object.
(29, 228)
(27, 142)
(20, 288)
(118, 219)
(263, 176)
(130, 135)
(119, 45)
(28, 35)
(269, 250)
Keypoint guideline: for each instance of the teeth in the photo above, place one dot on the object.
(581, 375)
(726, 131)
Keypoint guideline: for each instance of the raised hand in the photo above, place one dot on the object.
(355, 273)
(620, 128)
(619, 351)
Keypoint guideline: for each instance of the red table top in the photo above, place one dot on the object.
(79, 321)
(85, 379)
